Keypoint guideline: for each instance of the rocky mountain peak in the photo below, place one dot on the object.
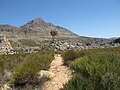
(36, 24)
(38, 20)
(39, 27)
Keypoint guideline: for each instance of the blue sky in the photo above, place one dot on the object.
(95, 18)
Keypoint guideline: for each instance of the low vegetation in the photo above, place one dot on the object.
(24, 68)
(27, 71)
(96, 69)
(9, 62)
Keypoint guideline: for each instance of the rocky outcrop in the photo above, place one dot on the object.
(4, 44)
(5, 87)
(47, 74)
(117, 40)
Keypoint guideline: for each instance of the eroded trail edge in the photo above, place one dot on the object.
(62, 74)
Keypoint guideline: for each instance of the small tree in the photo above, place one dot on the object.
(53, 33)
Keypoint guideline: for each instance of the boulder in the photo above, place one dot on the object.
(44, 73)
(5, 87)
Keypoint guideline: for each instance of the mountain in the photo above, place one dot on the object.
(42, 29)
(35, 29)
(37, 33)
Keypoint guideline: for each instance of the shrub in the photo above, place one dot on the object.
(68, 56)
(27, 71)
(110, 81)
(94, 68)
(11, 61)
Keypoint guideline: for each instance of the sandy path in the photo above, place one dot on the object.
(62, 74)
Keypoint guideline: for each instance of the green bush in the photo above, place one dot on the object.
(21, 62)
(94, 68)
(97, 63)
(68, 56)
(110, 81)
(27, 71)
(71, 55)
(11, 61)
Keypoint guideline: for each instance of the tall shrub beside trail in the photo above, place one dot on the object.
(68, 57)
(27, 71)
(71, 55)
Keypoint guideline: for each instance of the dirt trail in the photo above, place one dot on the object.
(62, 74)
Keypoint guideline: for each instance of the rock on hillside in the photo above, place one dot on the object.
(4, 44)
(117, 40)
